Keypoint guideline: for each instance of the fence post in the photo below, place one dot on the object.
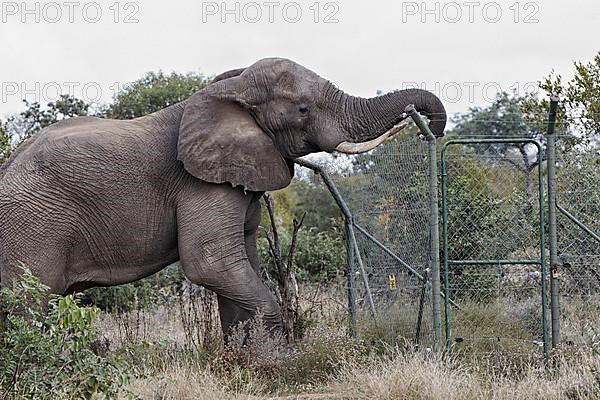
(434, 235)
(447, 317)
(552, 238)
(421, 305)
(350, 276)
(349, 236)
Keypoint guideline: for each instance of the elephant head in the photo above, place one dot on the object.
(249, 124)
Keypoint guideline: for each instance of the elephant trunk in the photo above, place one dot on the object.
(366, 119)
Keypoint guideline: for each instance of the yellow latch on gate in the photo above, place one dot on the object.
(392, 280)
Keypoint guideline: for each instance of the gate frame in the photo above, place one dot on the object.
(353, 252)
(540, 261)
(352, 249)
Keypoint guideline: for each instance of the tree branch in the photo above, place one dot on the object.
(296, 229)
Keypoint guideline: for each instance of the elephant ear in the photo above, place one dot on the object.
(228, 74)
(219, 140)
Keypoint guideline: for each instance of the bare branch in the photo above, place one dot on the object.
(514, 164)
(296, 229)
(287, 285)
(273, 239)
(271, 209)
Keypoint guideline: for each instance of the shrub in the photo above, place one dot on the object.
(155, 289)
(319, 256)
(256, 357)
(46, 347)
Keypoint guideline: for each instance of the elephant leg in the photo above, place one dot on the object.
(230, 313)
(213, 254)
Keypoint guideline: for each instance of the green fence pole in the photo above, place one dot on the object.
(350, 278)
(434, 235)
(543, 254)
(552, 237)
(447, 317)
(350, 239)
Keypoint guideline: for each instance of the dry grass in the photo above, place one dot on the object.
(161, 324)
(328, 364)
(417, 376)
(395, 376)
(181, 382)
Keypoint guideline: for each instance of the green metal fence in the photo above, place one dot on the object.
(500, 297)
(574, 199)
(493, 247)
(496, 241)
(389, 201)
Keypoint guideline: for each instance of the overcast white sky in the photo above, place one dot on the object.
(464, 51)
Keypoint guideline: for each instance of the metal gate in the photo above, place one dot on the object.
(493, 252)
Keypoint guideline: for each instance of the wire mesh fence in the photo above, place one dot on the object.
(386, 191)
(578, 227)
(496, 244)
(492, 245)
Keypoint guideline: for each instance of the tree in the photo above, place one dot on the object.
(19, 127)
(580, 100)
(320, 253)
(504, 119)
(5, 144)
(311, 195)
(153, 92)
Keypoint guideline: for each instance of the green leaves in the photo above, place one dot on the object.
(153, 92)
(580, 100)
(46, 347)
(5, 144)
(159, 288)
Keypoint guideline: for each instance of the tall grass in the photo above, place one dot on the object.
(329, 364)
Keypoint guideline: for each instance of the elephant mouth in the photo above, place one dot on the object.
(347, 147)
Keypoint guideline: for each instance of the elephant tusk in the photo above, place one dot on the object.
(357, 148)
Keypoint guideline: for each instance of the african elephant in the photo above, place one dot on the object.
(97, 202)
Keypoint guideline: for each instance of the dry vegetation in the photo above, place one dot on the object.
(182, 358)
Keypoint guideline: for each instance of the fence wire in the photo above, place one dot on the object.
(493, 214)
(493, 207)
(578, 193)
(387, 193)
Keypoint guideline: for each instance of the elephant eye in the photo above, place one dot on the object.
(303, 109)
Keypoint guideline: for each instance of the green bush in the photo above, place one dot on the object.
(46, 346)
(320, 255)
(155, 289)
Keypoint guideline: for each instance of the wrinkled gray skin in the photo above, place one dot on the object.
(98, 202)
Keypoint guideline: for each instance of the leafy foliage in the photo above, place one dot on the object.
(319, 256)
(320, 252)
(5, 144)
(153, 92)
(18, 128)
(310, 195)
(157, 289)
(46, 347)
(580, 100)
(505, 119)
(66, 106)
